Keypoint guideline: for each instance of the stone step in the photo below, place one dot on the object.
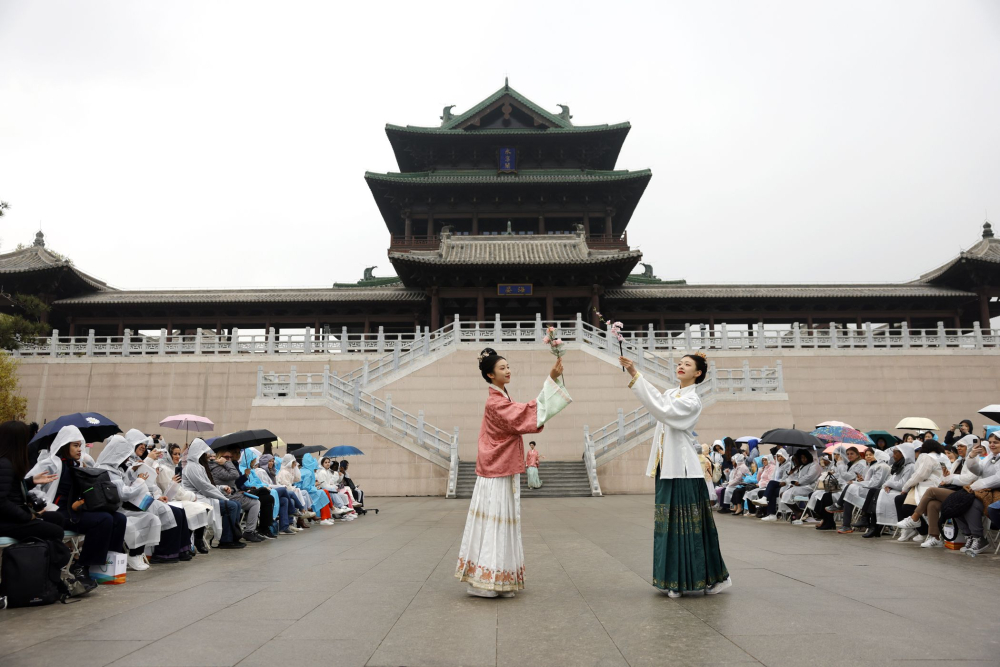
(560, 479)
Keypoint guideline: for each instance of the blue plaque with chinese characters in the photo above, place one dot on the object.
(508, 160)
(514, 289)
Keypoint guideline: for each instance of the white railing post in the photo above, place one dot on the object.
(420, 427)
(234, 341)
(714, 384)
(497, 331)
(538, 328)
(834, 343)
(621, 425)
(90, 343)
(977, 333)
(388, 410)
(427, 339)
(307, 342)
(941, 338)
(356, 403)
(380, 341)
(326, 381)
(270, 340)
(607, 339)
(395, 358)
(260, 382)
(781, 378)
(796, 336)
(869, 336)
(746, 376)
(197, 341)
(651, 338)
(125, 340)
(364, 373)
(725, 336)
(291, 382)
(905, 335)
(54, 343)
(578, 334)
(344, 343)
(687, 336)
(162, 347)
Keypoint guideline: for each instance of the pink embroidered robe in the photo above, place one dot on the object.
(501, 447)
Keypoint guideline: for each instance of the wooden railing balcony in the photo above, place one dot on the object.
(608, 242)
(408, 243)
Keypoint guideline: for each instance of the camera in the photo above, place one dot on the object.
(37, 504)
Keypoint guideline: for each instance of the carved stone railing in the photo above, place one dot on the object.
(721, 337)
(326, 386)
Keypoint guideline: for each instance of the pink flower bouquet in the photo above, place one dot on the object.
(556, 345)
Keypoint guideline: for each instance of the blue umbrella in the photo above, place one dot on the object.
(344, 450)
(94, 426)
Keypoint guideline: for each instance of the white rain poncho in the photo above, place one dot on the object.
(143, 527)
(198, 513)
(875, 477)
(885, 510)
(195, 479)
(49, 461)
(927, 474)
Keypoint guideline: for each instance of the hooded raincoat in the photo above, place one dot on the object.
(50, 461)
(885, 509)
(307, 482)
(195, 479)
(143, 526)
(875, 477)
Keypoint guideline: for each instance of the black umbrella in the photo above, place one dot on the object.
(790, 437)
(94, 426)
(303, 450)
(242, 439)
(292, 446)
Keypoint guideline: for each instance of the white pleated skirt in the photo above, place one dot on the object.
(491, 556)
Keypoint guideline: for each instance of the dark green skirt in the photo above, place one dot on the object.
(686, 553)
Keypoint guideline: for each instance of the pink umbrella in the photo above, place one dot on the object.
(829, 449)
(188, 423)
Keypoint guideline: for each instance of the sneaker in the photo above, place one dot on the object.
(918, 538)
(669, 594)
(136, 563)
(287, 531)
(770, 517)
(759, 501)
(326, 522)
(932, 542)
(252, 536)
(82, 574)
(340, 511)
(908, 522)
(507, 594)
(907, 535)
(715, 589)
(201, 545)
(873, 531)
(160, 560)
(977, 545)
(845, 531)
(267, 536)
(480, 593)
(798, 522)
(231, 545)
(811, 519)
(834, 508)
(310, 514)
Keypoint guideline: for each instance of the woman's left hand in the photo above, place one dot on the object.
(44, 478)
(557, 369)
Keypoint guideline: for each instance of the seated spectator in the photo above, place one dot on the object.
(197, 478)
(307, 482)
(102, 531)
(175, 540)
(289, 476)
(801, 483)
(927, 474)
(908, 438)
(986, 490)
(783, 466)
(848, 467)
(903, 462)
(748, 483)
(289, 505)
(328, 481)
(863, 493)
(739, 470)
(356, 493)
(19, 516)
(225, 474)
(199, 513)
(143, 527)
(259, 486)
(765, 473)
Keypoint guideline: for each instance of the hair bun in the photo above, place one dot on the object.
(701, 354)
(486, 353)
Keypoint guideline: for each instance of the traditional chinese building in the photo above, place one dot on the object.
(507, 209)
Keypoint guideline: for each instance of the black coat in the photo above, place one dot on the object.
(13, 499)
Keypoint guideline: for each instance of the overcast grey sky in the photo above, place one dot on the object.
(197, 144)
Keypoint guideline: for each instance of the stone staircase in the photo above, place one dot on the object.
(560, 479)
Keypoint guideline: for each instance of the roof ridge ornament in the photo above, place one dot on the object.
(39, 240)
(987, 230)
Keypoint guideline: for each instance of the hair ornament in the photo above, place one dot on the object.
(701, 354)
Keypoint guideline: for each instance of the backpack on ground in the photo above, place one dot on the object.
(99, 493)
(31, 572)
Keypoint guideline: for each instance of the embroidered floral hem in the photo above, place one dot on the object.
(491, 556)
(686, 554)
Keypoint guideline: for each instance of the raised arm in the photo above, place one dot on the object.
(677, 413)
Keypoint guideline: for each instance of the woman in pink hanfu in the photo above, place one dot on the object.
(491, 559)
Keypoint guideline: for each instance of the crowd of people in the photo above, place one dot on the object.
(173, 502)
(916, 488)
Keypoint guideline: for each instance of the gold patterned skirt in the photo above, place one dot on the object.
(686, 554)
(491, 556)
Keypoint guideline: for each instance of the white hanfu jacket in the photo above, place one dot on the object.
(676, 412)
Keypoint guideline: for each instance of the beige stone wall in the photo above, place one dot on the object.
(866, 389)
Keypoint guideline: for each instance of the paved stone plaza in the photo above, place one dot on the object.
(380, 591)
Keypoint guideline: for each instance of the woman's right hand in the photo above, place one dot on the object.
(557, 369)
(629, 366)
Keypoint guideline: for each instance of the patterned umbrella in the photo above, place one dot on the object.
(849, 436)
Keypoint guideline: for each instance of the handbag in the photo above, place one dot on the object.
(956, 504)
(30, 572)
(99, 493)
(988, 497)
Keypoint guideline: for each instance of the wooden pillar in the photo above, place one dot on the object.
(958, 322)
(430, 225)
(407, 226)
(586, 224)
(541, 224)
(480, 305)
(368, 326)
(72, 327)
(595, 306)
(607, 222)
(121, 326)
(550, 307)
(984, 310)
(663, 324)
(475, 224)
(435, 309)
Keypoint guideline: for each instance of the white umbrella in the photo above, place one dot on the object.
(992, 412)
(918, 423)
(834, 423)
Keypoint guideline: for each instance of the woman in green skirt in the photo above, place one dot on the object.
(686, 555)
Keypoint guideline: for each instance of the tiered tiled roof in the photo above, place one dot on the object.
(303, 295)
(986, 251)
(38, 258)
(480, 176)
(552, 250)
